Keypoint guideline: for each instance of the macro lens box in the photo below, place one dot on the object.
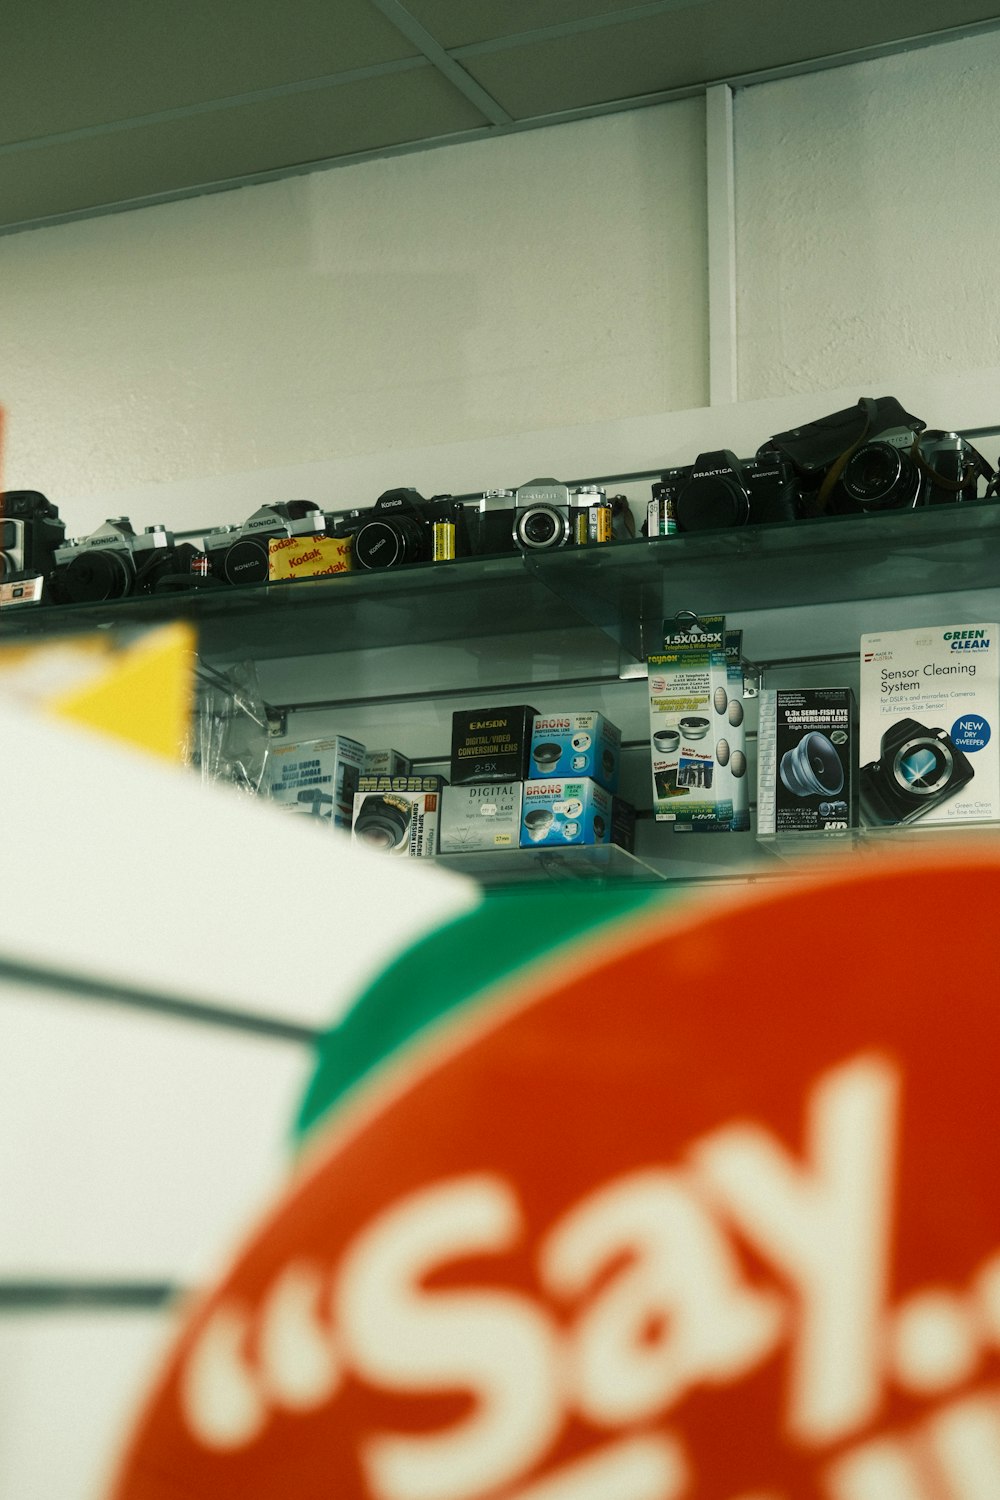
(316, 777)
(807, 748)
(484, 816)
(576, 744)
(386, 763)
(930, 713)
(307, 556)
(563, 811)
(491, 744)
(400, 822)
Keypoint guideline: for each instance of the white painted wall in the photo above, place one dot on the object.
(867, 224)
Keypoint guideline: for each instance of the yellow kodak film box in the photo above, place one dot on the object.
(307, 556)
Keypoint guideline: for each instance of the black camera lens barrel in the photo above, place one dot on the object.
(881, 476)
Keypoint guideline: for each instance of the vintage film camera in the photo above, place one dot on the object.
(115, 562)
(917, 769)
(548, 514)
(402, 527)
(240, 554)
(720, 490)
(876, 456)
(30, 532)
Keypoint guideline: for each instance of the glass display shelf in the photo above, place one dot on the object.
(590, 864)
(893, 841)
(623, 589)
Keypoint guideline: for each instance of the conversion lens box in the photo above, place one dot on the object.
(386, 763)
(307, 556)
(316, 777)
(576, 744)
(491, 744)
(403, 823)
(807, 746)
(565, 811)
(930, 709)
(487, 816)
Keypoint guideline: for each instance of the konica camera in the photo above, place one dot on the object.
(402, 527)
(115, 562)
(877, 456)
(240, 554)
(30, 531)
(720, 490)
(917, 769)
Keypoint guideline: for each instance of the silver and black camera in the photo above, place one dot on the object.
(720, 490)
(30, 532)
(240, 554)
(115, 562)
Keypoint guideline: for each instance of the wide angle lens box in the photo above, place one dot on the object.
(399, 822)
(484, 816)
(316, 777)
(930, 709)
(386, 763)
(491, 744)
(807, 746)
(564, 811)
(307, 556)
(576, 744)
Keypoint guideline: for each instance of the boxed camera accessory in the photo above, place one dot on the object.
(242, 554)
(686, 681)
(807, 743)
(623, 824)
(307, 556)
(930, 709)
(876, 456)
(719, 491)
(491, 744)
(731, 746)
(485, 816)
(399, 819)
(115, 562)
(576, 744)
(386, 763)
(30, 531)
(564, 811)
(316, 777)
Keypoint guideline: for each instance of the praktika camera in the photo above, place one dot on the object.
(402, 527)
(917, 769)
(720, 490)
(115, 562)
(30, 532)
(240, 554)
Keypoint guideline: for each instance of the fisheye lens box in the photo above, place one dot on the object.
(807, 748)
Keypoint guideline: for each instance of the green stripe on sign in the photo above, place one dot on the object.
(449, 968)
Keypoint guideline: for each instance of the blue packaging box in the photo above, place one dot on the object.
(564, 810)
(576, 744)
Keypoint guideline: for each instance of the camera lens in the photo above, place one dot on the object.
(813, 767)
(540, 526)
(712, 503)
(93, 576)
(881, 477)
(383, 823)
(247, 561)
(388, 544)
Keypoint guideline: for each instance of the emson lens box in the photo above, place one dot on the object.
(316, 777)
(399, 822)
(491, 744)
(807, 745)
(487, 816)
(930, 710)
(576, 744)
(563, 811)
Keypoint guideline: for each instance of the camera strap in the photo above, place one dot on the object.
(977, 465)
(869, 406)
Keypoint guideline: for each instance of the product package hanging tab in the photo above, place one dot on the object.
(688, 702)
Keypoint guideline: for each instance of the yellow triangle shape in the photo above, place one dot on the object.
(145, 696)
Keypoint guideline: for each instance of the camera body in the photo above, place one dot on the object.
(719, 491)
(917, 769)
(30, 532)
(542, 516)
(402, 527)
(114, 562)
(488, 522)
(240, 554)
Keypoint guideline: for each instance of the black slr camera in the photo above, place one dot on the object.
(30, 532)
(240, 554)
(720, 490)
(115, 562)
(402, 527)
(917, 769)
(876, 456)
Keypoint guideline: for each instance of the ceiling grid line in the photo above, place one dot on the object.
(443, 60)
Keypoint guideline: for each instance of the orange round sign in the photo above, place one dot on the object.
(697, 1208)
